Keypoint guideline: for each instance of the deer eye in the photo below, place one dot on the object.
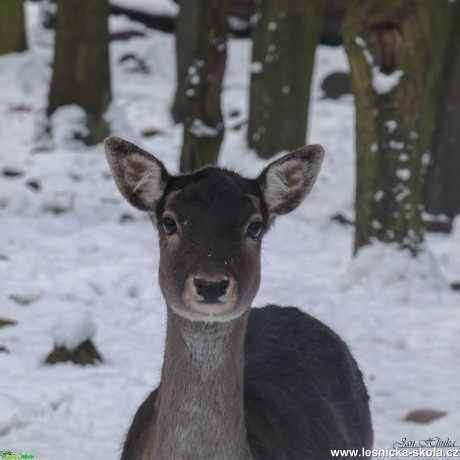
(169, 225)
(254, 229)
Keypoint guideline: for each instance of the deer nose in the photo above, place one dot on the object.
(211, 288)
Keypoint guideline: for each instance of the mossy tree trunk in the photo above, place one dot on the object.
(81, 72)
(396, 50)
(203, 123)
(441, 190)
(12, 27)
(186, 36)
(284, 41)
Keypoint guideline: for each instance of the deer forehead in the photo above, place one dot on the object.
(213, 197)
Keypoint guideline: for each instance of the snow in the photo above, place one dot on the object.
(404, 157)
(237, 24)
(396, 145)
(391, 126)
(92, 264)
(157, 8)
(68, 124)
(72, 328)
(257, 67)
(427, 217)
(200, 129)
(403, 174)
(383, 83)
(379, 195)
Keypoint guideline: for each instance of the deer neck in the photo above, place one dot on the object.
(200, 411)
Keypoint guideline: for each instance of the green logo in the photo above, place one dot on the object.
(9, 454)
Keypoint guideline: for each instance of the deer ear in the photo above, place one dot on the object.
(140, 177)
(286, 182)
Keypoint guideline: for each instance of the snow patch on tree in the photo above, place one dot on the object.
(396, 145)
(404, 157)
(257, 67)
(383, 83)
(200, 129)
(391, 126)
(237, 24)
(379, 195)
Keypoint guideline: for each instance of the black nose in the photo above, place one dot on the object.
(211, 290)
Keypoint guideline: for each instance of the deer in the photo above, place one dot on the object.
(237, 382)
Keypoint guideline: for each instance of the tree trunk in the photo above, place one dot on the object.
(285, 37)
(203, 125)
(12, 28)
(81, 72)
(396, 50)
(186, 35)
(441, 191)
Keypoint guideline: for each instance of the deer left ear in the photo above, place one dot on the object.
(286, 182)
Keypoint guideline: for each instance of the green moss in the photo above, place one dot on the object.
(150, 132)
(86, 353)
(7, 322)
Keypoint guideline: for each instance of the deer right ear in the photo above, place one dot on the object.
(140, 177)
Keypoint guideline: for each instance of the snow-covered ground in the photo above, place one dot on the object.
(158, 7)
(75, 257)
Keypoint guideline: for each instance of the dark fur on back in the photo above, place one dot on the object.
(303, 391)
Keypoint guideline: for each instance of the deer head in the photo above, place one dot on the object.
(211, 223)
